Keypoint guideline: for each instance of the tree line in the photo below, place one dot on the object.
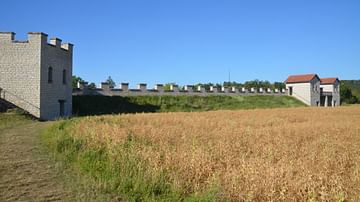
(248, 84)
(346, 94)
(92, 85)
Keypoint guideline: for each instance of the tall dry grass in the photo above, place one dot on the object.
(272, 155)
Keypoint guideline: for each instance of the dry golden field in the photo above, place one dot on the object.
(266, 154)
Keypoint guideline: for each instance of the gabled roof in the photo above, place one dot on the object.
(303, 78)
(328, 80)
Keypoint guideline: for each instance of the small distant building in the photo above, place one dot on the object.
(329, 92)
(314, 91)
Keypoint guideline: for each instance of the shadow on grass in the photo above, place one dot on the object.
(101, 105)
(5, 105)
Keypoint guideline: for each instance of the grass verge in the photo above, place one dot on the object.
(13, 118)
(117, 170)
(96, 105)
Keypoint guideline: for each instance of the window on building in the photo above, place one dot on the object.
(50, 75)
(64, 76)
(315, 88)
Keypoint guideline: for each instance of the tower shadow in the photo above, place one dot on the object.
(89, 105)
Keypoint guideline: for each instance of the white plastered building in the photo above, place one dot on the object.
(314, 91)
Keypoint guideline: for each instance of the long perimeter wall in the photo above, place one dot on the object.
(105, 90)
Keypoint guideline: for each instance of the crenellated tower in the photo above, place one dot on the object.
(35, 74)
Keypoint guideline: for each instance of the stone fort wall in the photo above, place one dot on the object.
(24, 74)
(19, 71)
(59, 58)
(142, 90)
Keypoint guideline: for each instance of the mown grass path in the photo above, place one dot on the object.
(26, 172)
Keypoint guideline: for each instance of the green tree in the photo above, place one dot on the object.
(92, 86)
(111, 82)
(232, 84)
(263, 84)
(279, 85)
(248, 84)
(346, 95)
(205, 85)
(75, 80)
(167, 86)
(253, 83)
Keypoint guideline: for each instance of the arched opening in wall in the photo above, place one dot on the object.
(64, 76)
(50, 75)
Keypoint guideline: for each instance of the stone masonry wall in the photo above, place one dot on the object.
(315, 92)
(20, 71)
(24, 74)
(301, 91)
(59, 59)
(158, 90)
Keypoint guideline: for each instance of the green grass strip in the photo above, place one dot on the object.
(120, 172)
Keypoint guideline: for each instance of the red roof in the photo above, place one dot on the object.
(328, 80)
(304, 78)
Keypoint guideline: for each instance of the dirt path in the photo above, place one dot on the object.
(26, 172)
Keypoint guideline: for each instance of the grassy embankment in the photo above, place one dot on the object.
(96, 105)
(13, 118)
(262, 155)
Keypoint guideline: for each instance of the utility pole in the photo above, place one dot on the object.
(229, 75)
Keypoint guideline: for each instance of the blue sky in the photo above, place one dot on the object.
(191, 41)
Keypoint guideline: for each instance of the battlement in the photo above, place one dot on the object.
(173, 89)
(36, 37)
(7, 36)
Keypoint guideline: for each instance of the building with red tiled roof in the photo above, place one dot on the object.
(330, 91)
(314, 91)
(324, 81)
(302, 78)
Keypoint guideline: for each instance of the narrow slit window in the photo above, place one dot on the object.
(50, 75)
(64, 76)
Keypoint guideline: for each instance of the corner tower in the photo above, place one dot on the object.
(36, 75)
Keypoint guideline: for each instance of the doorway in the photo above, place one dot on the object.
(330, 101)
(62, 108)
(290, 90)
